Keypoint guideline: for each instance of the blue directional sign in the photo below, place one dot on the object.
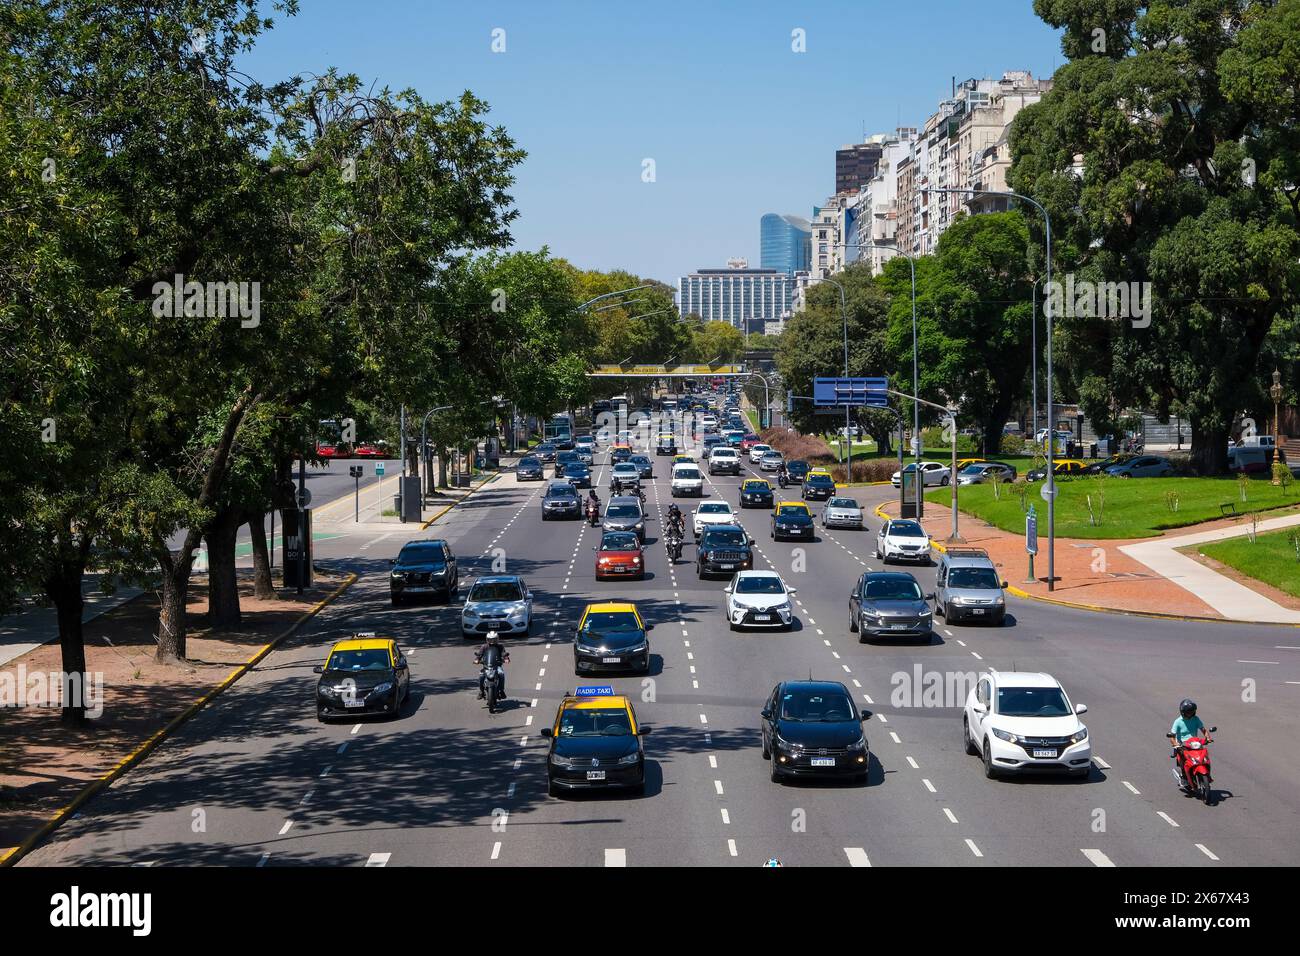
(851, 392)
(605, 691)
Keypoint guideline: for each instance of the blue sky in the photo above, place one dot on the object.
(736, 123)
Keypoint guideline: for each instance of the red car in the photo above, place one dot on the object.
(749, 441)
(324, 450)
(369, 449)
(619, 556)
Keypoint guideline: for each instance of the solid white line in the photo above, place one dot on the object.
(1132, 788)
(973, 848)
(616, 857)
(928, 785)
(1167, 818)
(1256, 662)
(1098, 858)
(378, 859)
(1204, 849)
(948, 813)
(857, 856)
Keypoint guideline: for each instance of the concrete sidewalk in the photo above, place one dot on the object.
(30, 628)
(1226, 596)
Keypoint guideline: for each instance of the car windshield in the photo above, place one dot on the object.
(496, 591)
(562, 491)
(687, 473)
(790, 511)
(842, 503)
(546, 446)
(605, 621)
(421, 554)
(905, 529)
(716, 508)
(973, 578)
(819, 480)
(590, 722)
(372, 659)
(1032, 702)
(619, 542)
(757, 486)
(530, 460)
(973, 469)
(816, 706)
(625, 468)
(623, 511)
(893, 589)
(760, 584)
(722, 536)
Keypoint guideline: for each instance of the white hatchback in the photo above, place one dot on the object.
(712, 512)
(756, 452)
(1022, 722)
(902, 539)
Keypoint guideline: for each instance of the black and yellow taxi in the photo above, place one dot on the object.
(595, 743)
(364, 674)
(755, 493)
(792, 519)
(611, 636)
(818, 485)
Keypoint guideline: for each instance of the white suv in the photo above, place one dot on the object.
(724, 459)
(759, 599)
(687, 480)
(1021, 722)
(711, 512)
(756, 452)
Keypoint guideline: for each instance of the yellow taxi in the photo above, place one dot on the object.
(1061, 468)
(756, 493)
(963, 462)
(364, 674)
(618, 452)
(818, 485)
(611, 636)
(666, 444)
(595, 743)
(685, 460)
(792, 519)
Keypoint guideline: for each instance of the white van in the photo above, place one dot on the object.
(687, 480)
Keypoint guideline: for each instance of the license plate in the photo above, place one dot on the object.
(979, 610)
(619, 570)
(762, 617)
(355, 702)
(595, 775)
(898, 627)
(1045, 753)
(613, 660)
(823, 761)
(727, 567)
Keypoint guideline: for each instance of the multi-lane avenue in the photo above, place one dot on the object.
(255, 780)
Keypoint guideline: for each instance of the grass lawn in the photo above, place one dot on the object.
(1132, 508)
(1271, 559)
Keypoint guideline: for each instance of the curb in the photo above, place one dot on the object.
(137, 756)
(459, 500)
(1155, 615)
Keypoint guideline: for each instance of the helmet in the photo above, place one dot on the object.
(493, 637)
(1187, 707)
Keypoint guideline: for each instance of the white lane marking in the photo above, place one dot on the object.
(928, 785)
(496, 849)
(726, 817)
(1256, 662)
(717, 786)
(857, 856)
(713, 762)
(1100, 763)
(703, 719)
(285, 829)
(948, 632)
(731, 847)
(1132, 789)
(510, 791)
(962, 643)
(857, 683)
(881, 717)
(615, 857)
(893, 735)
(343, 746)
(976, 656)
(378, 859)
(949, 814)
(326, 771)
(912, 763)
(1167, 818)
(973, 848)
(1098, 858)
(356, 729)
(846, 667)
(867, 698)
(529, 721)
(1204, 849)
(835, 654)
(262, 861)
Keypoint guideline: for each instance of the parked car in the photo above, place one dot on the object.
(985, 472)
(1253, 459)
(932, 473)
(1143, 466)
(1063, 468)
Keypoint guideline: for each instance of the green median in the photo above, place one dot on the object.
(1272, 558)
(1118, 507)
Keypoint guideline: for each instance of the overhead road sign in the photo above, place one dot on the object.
(666, 371)
(850, 392)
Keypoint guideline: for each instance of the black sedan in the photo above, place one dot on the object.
(644, 466)
(561, 501)
(796, 470)
(755, 493)
(421, 569)
(364, 674)
(529, 469)
(818, 487)
(814, 729)
(793, 520)
(611, 637)
(578, 473)
(595, 744)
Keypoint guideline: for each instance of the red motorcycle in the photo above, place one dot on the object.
(593, 512)
(1193, 776)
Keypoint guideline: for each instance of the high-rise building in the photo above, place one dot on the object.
(785, 243)
(744, 297)
(855, 164)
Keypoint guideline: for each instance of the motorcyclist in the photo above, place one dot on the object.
(593, 501)
(491, 655)
(1187, 725)
(782, 476)
(676, 521)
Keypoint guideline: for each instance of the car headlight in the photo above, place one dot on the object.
(784, 744)
(470, 613)
(586, 649)
(958, 600)
(1079, 736)
(380, 688)
(629, 759)
(926, 613)
(640, 526)
(636, 560)
(1003, 735)
(399, 575)
(859, 744)
(561, 761)
(328, 691)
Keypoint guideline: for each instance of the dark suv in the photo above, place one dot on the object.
(424, 568)
(724, 549)
(561, 501)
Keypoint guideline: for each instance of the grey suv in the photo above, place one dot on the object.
(890, 604)
(624, 514)
(969, 587)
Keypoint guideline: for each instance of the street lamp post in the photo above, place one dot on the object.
(1275, 392)
(1049, 489)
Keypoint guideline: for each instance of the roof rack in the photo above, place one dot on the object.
(967, 553)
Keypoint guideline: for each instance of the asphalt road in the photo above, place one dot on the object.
(255, 780)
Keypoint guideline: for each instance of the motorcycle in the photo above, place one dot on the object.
(782, 480)
(493, 679)
(1193, 776)
(674, 545)
(593, 512)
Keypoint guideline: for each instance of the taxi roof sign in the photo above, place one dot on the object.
(603, 691)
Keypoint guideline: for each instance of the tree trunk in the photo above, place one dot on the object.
(1209, 448)
(223, 579)
(172, 625)
(442, 468)
(263, 584)
(64, 590)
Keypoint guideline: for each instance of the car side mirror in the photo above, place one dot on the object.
(643, 730)
(791, 590)
(401, 663)
(727, 589)
(318, 669)
(930, 596)
(765, 713)
(1080, 708)
(545, 731)
(1004, 584)
(867, 715)
(980, 709)
(649, 627)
